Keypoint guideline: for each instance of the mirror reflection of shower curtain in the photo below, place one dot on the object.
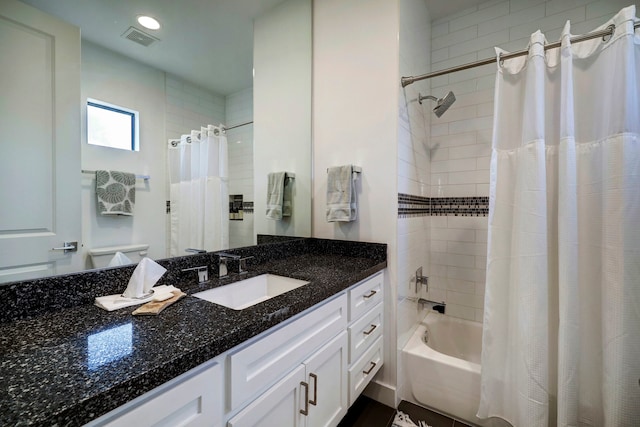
(198, 192)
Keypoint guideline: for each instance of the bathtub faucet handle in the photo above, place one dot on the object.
(421, 280)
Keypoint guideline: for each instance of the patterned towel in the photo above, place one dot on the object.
(116, 192)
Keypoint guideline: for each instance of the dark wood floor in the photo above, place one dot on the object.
(366, 412)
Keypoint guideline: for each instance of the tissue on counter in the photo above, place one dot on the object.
(140, 288)
(146, 274)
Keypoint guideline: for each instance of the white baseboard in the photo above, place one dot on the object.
(383, 393)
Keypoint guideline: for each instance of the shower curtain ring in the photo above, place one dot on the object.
(612, 29)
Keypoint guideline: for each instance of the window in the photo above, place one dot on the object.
(112, 126)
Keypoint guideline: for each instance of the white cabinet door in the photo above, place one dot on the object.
(193, 402)
(279, 406)
(40, 143)
(327, 379)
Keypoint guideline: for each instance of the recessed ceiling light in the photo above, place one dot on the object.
(148, 22)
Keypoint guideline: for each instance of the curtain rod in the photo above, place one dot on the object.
(405, 81)
(236, 126)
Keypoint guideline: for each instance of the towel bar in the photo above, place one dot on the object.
(356, 169)
(145, 177)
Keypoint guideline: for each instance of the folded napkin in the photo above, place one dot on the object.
(275, 195)
(116, 192)
(115, 302)
(342, 204)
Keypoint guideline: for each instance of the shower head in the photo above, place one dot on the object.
(443, 103)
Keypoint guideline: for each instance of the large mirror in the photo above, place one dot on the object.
(243, 64)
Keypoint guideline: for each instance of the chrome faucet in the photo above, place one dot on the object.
(242, 265)
(223, 257)
(196, 251)
(421, 280)
(203, 272)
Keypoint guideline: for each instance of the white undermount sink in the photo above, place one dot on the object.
(248, 292)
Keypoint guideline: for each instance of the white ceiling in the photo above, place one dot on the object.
(207, 42)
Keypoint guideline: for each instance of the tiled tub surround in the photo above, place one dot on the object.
(458, 250)
(53, 373)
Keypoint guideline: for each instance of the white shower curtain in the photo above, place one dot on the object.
(561, 340)
(198, 191)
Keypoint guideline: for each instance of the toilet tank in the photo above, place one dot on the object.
(100, 257)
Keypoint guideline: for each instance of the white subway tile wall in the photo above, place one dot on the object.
(190, 107)
(460, 140)
(239, 109)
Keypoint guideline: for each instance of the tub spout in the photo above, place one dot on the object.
(440, 307)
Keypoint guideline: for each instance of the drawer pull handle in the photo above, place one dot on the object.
(370, 294)
(305, 411)
(368, 371)
(373, 328)
(314, 402)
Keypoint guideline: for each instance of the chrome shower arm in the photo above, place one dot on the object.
(421, 98)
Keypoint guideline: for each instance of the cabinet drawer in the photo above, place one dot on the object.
(365, 296)
(255, 367)
(364, 369)
(192, 402)
(364, 332)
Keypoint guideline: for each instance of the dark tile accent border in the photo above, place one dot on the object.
(414, 206)
(465, 206)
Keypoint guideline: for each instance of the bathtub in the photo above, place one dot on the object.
(445, 373)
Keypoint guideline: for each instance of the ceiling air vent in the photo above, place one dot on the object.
(140, 37)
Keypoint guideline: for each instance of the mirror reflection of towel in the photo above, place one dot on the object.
(342, 204)
(116, 192)
(275, 195)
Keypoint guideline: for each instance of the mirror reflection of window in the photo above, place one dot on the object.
(110, 345)
(110, 125)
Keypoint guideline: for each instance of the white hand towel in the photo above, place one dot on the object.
(275, 195)
(115, 302)
(342, 205)
(146, 274)
(116, 192)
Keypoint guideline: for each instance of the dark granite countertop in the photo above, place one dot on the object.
(68, 366)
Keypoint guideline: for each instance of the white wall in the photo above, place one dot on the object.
(355, 116)
(461, 138)
(282, 111)
(168, 107)
(239, 109)
(413, 168)
(113, 78)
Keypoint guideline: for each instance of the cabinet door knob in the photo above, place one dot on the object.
(368, 371)
(305, 411)
(370, 294)
(314, 402)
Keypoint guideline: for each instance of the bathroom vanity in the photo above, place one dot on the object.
(301, 357)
